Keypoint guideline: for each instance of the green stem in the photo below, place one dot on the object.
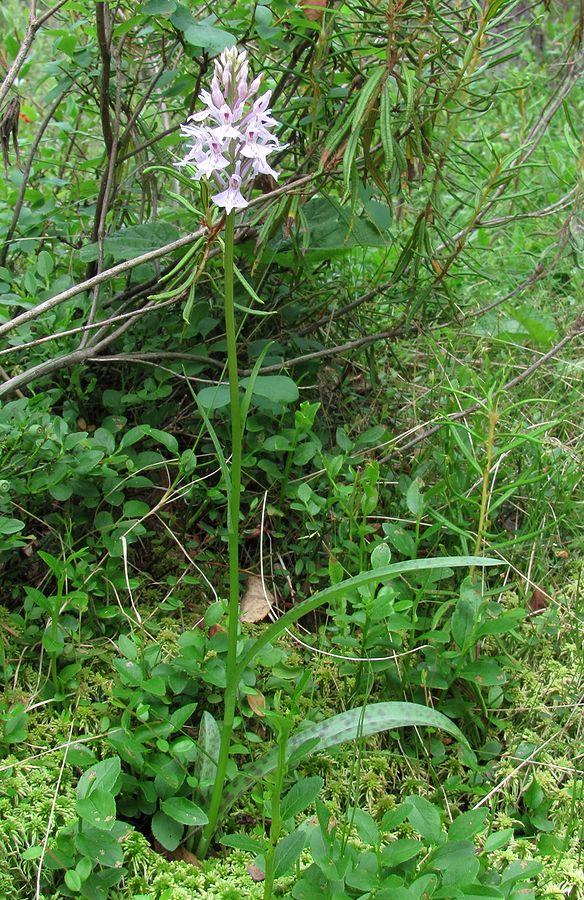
(276, 824)
(288, 467)
(233, 535)
(54, 632)
(493, 419)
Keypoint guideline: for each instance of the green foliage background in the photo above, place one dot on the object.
(423, 254)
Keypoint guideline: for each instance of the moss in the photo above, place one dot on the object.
(26, 798)
(158, 879)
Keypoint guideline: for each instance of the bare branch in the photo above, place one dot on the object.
(61, 362)
(558, 206)
(49, 12)
(148, 143)
(103, 28)
(277, 367)
(6, 377)
(152, 356)
(333, 351)
(92, 352)
(113, 320)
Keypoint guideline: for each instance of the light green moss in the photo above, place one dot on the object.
(158, 879)
(27, 792)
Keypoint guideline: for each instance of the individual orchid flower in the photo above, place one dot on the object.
(231, 198)
(207, 153)
(231, 144)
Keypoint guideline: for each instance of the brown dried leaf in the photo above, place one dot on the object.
(257, 704)
(313, 9)
(538, 601)
(181, 854)
(256, 603)
(256, 873)
(190, 858)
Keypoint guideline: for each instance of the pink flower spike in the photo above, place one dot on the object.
(232, 198)
(256, 151)
(194, 157)
(199, 116)
(225, 118)
(225, 74)
(242, 91)
(231, 137)
(211, 164)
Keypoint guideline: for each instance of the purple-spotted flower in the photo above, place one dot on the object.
(231, 137)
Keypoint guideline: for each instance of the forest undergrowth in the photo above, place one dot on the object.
(360, 675)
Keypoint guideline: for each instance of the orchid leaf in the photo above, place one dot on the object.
(347, 726)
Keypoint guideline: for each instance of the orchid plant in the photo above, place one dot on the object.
(230, 142)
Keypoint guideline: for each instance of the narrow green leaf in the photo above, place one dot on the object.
(365, 96)
(409, 91)
(347, 726)
(225, 470)
(254, 312)
(243, 280)
(380, 576)
(349, 159)
(251, 380)
(385, 123)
